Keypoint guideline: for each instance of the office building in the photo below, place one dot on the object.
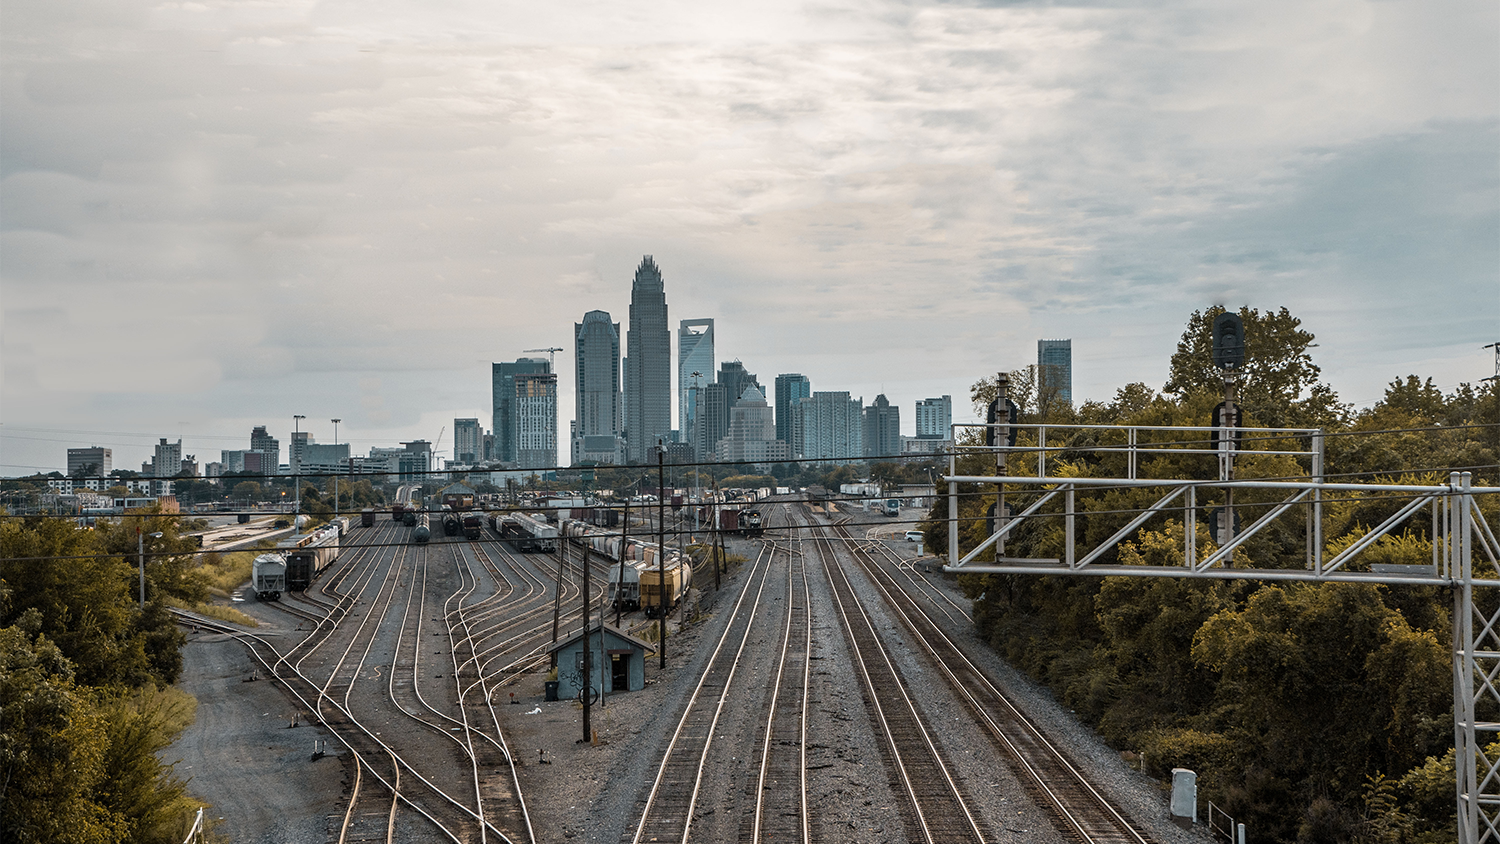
(830, 425)
(94, 462)
(468, 441)
(168, 460)
(715, 404)
(266, 444)
(323, 459)
(534, 420)
(648, 365)
(882, 429)
(598, 416)
(503, 392)
(752, 433)
(295, 449)
(1054, 371)
(790, 388)
(934, 418)
(695, 353)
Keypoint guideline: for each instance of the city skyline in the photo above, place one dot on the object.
(350, 213)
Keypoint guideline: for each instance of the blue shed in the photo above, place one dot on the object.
(619, 661)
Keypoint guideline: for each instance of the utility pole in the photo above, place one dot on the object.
(296, 469)
(336, 474)
(620, 582)
(588, 649)
(661, 543)
(557, 598)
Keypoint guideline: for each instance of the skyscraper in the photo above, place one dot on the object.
(829, 425)
(695, 353)
(790, 386)
(468, 441)
(168, 459)
(503, 393)
(533, 419)
(717, 402)
(268, 445)
(648, 365)
(934, 418)
(596, 425)
(752, 433)
(1054, 370)
(882, 429)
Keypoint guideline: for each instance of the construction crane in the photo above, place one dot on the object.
(551, 355)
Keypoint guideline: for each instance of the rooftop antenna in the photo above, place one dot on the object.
(551, 355)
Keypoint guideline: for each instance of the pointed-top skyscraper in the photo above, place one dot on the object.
(648, 365)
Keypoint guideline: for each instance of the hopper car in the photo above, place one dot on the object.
(268, 576)
(635, 577)
(529, 532)
(307, 555)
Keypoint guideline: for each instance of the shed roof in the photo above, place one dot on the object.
(609, 633)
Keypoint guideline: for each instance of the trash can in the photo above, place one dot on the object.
(551, 686)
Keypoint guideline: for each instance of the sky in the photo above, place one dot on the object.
(216, 215)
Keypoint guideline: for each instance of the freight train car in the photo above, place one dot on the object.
(422, 530)
(367, 517)
(634, 572)
(450, 524)
(268, 576)
(307, 555)
(472, 524)
(529, 532)
(678, 578)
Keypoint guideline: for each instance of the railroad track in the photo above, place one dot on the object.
(1079, 809)
(668, 811)
(781, 788)
(936, 809)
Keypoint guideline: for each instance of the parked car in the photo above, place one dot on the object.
(914, 536)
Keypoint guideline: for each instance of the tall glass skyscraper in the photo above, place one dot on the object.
(1054, 369)
(648, 365)
(596, 433)
(934, 417)
(695, 353)
(790, 386)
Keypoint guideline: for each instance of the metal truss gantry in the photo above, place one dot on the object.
(1460, 534)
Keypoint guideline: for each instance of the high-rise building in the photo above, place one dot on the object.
(752, 433)
(695, 353)
(790, 387)
(267, 445)
(503, 392)
(648, 365)
(596, 425)
(715, 405)
(94, 462)
(934, 418)
(882, 429)
(468, 441)
(168, 460)
(295, 450)
(534, 420)
(1054, 370)
(830, 425)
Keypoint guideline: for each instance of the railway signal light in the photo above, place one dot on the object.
(1226, 416)
(1229, 341)
(992, 417)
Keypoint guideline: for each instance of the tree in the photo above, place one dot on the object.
(1279, 382)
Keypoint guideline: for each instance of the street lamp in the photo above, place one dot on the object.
(296, 464)
(335, 473)
(140, 556)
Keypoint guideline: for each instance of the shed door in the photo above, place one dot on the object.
(619, 672)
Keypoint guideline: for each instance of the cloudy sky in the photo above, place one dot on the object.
(215, 215)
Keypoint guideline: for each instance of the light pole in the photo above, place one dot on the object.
(336, 474)
(140, 556)
(661, 547)
(296, 465)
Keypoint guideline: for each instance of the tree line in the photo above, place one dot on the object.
(1311, 712)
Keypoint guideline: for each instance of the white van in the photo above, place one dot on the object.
(914, 536)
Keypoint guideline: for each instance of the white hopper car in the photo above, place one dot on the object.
(268, 576)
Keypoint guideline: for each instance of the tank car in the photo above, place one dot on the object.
(421, 530)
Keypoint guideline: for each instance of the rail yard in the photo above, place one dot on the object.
(826, 691)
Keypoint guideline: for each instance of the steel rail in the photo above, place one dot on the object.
(687, 751)
(914, 746)
(1051, 773)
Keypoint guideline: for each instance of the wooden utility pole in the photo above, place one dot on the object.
(661, 543)
(588, 649)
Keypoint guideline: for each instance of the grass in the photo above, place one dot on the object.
(226, 572)
(218, 611)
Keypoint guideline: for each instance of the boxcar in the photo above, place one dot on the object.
(367, 517)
